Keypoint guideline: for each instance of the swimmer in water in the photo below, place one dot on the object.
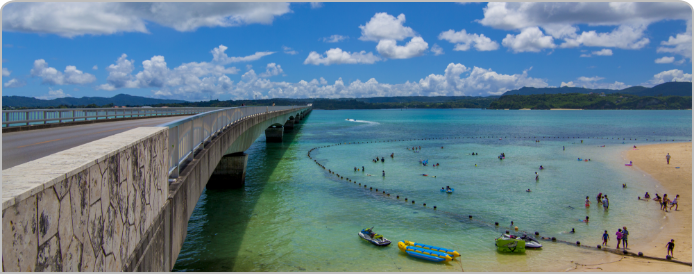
(541, 168)
(528, 190)
(572, 230)
(586, 220)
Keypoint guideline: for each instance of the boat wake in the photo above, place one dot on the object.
(362, 121)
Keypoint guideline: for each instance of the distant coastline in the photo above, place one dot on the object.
(671, 96)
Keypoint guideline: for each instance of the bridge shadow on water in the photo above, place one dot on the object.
(220, 220)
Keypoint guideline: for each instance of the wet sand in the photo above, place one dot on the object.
(675, 224)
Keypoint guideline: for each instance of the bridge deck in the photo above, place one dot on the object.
(24, 146)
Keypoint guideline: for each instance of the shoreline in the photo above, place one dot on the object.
(650, 159)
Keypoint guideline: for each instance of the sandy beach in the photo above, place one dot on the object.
(675, 224)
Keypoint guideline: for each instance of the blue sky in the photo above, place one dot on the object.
(197, 51)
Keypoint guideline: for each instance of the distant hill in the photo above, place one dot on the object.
(118, 100)
(665, 89)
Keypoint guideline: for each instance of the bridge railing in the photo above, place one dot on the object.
(189, 134)
(26, 117)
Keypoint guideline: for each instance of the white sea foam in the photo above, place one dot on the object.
(362, 121)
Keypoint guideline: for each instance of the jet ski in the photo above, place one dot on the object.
(530, 242)
(376, 239)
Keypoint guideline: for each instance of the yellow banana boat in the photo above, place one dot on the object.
(451, 252)
(424, 253)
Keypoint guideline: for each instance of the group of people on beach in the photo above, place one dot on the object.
(622, 238)
(663, 201)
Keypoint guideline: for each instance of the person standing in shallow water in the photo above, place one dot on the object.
(384, 173)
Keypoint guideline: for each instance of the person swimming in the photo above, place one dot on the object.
(528, 190)
(572, 230)
(541, 168)
(586, 220)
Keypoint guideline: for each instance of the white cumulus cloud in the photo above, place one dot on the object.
(14, 83)
(530, 39)
(603, 52)
(6, 72)
(457, 80)
(337, 56)
(70, 19)
(674, 75)
(592, 83)
(219, 55)
(51, 76)
(289, 50)
(680, 44)
(95, 67)
(624, 37)
(389, 48)
(272, 69)
(561, 20)
(53, 94)
(558, 15)
(385, 26)
(191, 80)
(316, 5)
(463, 40)
(665, 60)
(437, 50)
(335, 38)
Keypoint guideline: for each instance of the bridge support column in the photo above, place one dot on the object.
(230, 172)
(289, 125)
(274, 134)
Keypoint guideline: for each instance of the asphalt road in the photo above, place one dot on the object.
(24, 146)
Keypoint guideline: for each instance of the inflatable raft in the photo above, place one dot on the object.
(427, 254)
(506, 243)
(450, 252)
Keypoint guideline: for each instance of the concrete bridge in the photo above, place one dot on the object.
(122, 203)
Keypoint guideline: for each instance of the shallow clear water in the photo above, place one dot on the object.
(293, 216)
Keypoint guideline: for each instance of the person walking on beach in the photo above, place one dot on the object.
(619, 237)
(671, 248)
(668, 158)
(625, 234)
(663, 204)
(605, 238)
(674, 203)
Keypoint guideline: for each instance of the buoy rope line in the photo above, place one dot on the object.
(386, 194)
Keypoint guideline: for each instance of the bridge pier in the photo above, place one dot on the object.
(289, 125)
(230, 172)
(274, 134)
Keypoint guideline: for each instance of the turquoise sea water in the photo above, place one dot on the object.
(293, 216)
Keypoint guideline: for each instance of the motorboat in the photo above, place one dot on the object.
(376, 239)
